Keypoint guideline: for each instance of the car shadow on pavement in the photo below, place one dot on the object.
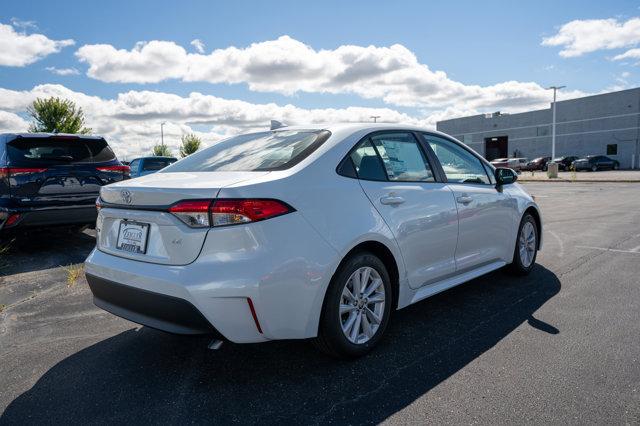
(146, 376)
(39, 249)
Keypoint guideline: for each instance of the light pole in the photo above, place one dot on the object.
(553, 120)
(375, 118)
(162, 132)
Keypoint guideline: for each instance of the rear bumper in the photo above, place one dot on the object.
(50, 216)
(280, 266)
(159, 311)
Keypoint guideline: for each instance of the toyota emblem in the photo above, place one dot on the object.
(126, 196)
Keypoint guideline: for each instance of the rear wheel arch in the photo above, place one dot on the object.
(536, 216)
(330, 337)
(382, 252)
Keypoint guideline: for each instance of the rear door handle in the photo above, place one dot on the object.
(392, 200)
(464, 199)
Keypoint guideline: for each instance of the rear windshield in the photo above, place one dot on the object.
(264, 151)
(157, 163)
(58, 151)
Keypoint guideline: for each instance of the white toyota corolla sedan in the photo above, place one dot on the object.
(307, 232)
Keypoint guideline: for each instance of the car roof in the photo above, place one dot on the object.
(160, 157)
(349, 128)
(12, 136)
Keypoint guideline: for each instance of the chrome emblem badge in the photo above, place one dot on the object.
(126, 196)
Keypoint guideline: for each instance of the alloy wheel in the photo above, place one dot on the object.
(362, 305)
(527, 244)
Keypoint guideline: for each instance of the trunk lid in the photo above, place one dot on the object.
(144, 201)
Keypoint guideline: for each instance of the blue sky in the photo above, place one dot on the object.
(477, 44)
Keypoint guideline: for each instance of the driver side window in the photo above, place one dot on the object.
(460, 166)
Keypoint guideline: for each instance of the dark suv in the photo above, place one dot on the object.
(53, 179)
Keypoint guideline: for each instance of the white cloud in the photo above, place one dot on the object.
(288, 66)
(19, 49)
(25, 25)
(131, 121)
(584, 36)
(63, 71)
(629, 54)
(145, 63)
(198, 44)
(10, 122)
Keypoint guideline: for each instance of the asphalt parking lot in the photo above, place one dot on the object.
(559, 346)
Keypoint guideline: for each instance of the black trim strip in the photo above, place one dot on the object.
(155, 310)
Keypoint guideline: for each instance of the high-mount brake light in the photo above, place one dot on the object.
(223, 212)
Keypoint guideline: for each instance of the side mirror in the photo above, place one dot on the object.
(505, 176)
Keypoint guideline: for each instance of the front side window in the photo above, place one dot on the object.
(265, 151)
(459, 165)
(403, 158)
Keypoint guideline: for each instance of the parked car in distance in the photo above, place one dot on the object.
(518, 164)
(307, 232)
(564, 163)
(147, 165)
(539, 163)
(595, 163)
(53, 179)
(500, 162)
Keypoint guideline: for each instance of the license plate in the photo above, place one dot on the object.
(132, 237)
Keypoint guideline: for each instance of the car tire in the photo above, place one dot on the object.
(616, 166)
(524, 259)
(544, 168)
(332, 337)
(594, 168)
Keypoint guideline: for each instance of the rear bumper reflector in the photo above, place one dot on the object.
(255, 316)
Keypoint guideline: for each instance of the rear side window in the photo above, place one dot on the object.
(58, 151)
(134, 165)
(266, 151)
(367, 163)
(156, 163)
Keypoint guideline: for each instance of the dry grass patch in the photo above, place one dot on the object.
(74, 272)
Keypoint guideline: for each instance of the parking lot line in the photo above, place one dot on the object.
(632, 251)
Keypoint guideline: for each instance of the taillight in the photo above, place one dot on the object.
(194, 213)
(6, 172)
(120, 168)
(206, 213)
(12, 220)
(231, 212)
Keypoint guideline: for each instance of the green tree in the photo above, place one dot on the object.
(190, 144)
(161, 150)
(56, 115)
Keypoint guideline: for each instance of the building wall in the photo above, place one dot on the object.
(584, 126)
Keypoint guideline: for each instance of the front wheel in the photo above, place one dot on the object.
(356, 308)
(594, 168)
(524, 256)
